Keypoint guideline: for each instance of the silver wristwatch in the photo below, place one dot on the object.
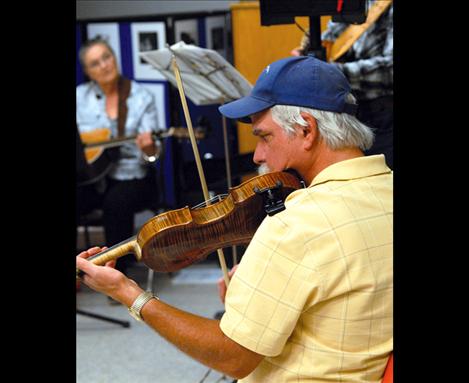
(138, 304)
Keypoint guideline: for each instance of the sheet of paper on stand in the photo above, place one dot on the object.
(208, 78)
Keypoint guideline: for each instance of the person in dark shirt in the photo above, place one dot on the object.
(368, 66)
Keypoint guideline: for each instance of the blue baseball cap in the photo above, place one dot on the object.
(300, 81)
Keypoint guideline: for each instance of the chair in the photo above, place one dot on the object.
(388, 371)
(93, 218)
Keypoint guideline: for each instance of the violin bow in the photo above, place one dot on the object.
(228, 176)
(221, 256)
(223, 99)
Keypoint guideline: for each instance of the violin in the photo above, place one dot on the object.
(178, 238)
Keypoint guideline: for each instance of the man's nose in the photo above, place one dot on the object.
(258, 156)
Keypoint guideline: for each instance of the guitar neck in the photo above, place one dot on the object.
(171, 132)
(111, 143)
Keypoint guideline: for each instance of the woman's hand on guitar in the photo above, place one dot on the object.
(146, 144)
(222, 284)
(105, 279)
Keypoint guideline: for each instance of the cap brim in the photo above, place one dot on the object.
(243, 108)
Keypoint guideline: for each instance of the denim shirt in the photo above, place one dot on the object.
(141, 117)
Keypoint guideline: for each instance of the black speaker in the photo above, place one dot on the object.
(284, 12)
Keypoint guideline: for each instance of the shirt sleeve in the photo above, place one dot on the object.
(333, 30)
(359, 68)
(149, 120)
(269, 290)
(379, 49)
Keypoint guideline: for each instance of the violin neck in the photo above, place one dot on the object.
(119, 250)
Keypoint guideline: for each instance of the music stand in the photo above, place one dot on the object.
(208, 79)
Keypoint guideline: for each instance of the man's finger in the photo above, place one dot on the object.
(90, 252)
(85, 266)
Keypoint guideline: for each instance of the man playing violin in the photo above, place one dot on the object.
(311, 299)
(124, 108)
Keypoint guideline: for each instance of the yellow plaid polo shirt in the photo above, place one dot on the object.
(313, 292)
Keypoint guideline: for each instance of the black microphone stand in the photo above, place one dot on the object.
(315, 47)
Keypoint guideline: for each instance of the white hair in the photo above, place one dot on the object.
(339, 130)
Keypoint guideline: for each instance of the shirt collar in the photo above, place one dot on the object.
(359, 167)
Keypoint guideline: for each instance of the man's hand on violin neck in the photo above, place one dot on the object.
(106, 279)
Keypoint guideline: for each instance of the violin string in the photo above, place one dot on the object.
(218, 197)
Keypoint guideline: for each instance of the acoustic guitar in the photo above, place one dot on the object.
(95, 146)
(97, 140)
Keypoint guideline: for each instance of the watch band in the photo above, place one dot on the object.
(142, 299)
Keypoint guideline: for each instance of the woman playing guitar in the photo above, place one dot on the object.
(116, 107)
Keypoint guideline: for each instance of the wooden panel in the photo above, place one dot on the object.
(255, 47)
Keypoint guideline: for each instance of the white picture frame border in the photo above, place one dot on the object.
(190, 26)
(144, 71)
(212, 22)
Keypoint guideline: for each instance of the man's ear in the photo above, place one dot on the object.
(310, 131)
